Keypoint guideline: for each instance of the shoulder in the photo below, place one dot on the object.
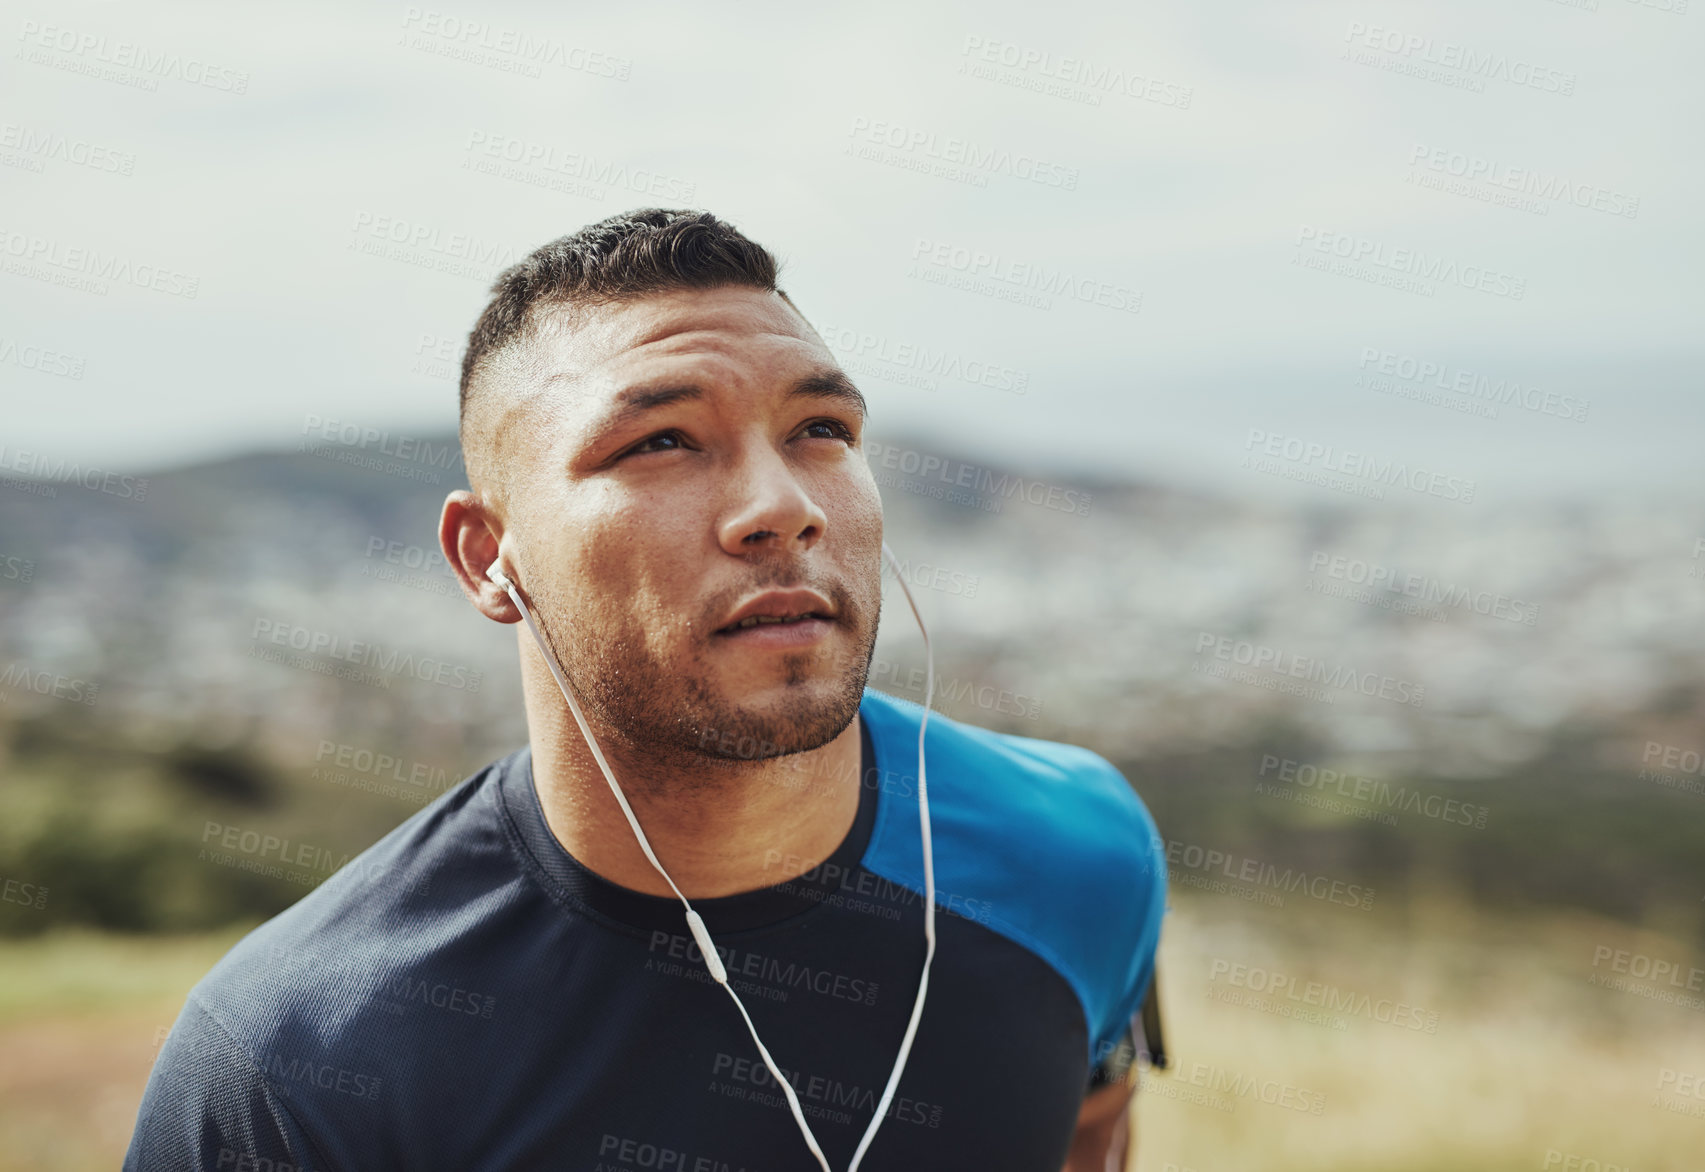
(322, 1001)
(1044, 801)
(208, 1105)
(1058, 849)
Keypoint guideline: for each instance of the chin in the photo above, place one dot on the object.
(805, 710)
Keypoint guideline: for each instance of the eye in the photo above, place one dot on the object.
(835, 428)
(664, 441)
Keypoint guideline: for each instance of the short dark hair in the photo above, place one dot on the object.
(632, 255)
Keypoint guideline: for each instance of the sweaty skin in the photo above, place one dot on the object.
(635, 534)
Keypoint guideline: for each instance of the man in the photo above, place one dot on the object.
(665, 464)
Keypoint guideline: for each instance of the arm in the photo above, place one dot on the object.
(1102, 1140)
(208, 1108)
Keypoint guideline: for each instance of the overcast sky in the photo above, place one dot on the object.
(1204, 164)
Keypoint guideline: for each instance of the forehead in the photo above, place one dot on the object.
(728, 334)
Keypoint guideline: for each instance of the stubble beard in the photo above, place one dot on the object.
(668, 720)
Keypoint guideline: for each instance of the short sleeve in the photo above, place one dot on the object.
(207, 1106)
(1123, 1027)
(1140, 1039)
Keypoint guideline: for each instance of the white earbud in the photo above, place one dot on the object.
(695, 924)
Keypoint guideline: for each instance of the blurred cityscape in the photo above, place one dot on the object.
(1500, 704)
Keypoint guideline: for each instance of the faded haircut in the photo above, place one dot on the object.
(626, 257)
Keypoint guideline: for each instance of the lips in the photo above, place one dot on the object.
(777, 608)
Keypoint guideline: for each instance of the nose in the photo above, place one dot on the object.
(772, 509)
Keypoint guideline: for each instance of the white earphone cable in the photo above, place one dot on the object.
(701, 935)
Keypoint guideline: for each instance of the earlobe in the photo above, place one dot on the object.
(496, 604)
(509, 601)
(471, 540)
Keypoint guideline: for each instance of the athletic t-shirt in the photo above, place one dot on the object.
(466, 995)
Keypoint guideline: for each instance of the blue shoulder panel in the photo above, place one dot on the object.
(1042, 842)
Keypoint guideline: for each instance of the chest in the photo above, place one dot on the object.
(618, 1053)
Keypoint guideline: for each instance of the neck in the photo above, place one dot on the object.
(719, 827)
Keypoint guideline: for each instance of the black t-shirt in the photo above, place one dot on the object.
(465, 995)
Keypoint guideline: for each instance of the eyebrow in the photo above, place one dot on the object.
(832, 385)
(827, 384)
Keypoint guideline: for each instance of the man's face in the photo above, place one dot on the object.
(689, 453)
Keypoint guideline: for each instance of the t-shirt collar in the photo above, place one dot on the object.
(744, 911)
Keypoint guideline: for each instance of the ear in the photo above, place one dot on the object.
(471, 536)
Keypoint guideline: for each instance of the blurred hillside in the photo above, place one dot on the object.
(1429, 699)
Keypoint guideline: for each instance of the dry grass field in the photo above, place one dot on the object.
(1526, 1066)
(1445, 1043)
(80, 1018)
